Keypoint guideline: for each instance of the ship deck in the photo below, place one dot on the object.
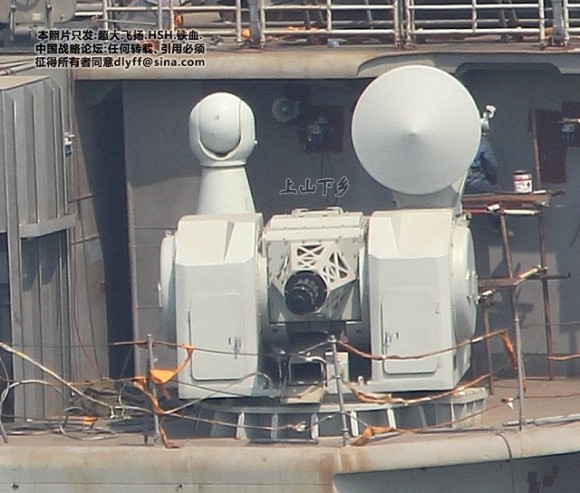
(547, 445)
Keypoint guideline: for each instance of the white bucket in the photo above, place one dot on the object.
(522, 181)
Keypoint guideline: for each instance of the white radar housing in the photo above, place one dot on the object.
(222, 136)
(416, 130)
(222, 130)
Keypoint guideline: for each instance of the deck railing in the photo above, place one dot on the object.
(572, 17)
(504, 18)
(398, 22)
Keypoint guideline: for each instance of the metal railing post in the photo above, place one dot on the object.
(171, 17)
(408, 16)
(262, 22)
(542, 22)
(160, 14)
(239, 39)
(151, 387)
(329, 15)
(49, 14)
(105, 15)
(566, 13)
(345, 432)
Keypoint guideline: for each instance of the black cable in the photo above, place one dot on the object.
(511, 457)
(575, 236)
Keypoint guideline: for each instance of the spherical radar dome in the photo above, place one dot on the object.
(416, 129)
(222, 130)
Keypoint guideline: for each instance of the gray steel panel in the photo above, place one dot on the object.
(22, 101)
(152, 210)
(89, 341)
(31, 337)
(45, 153)
(6, 151)
(38, 139)
(52, 296)
(86, 226)
(47, 227)
(150, 323)
(148, 243)
(33, 205)
(10, 217)
(15, 81)
(55, 168)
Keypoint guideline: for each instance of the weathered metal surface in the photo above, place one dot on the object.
(484, 461)
(354, 61)
(35, 221)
